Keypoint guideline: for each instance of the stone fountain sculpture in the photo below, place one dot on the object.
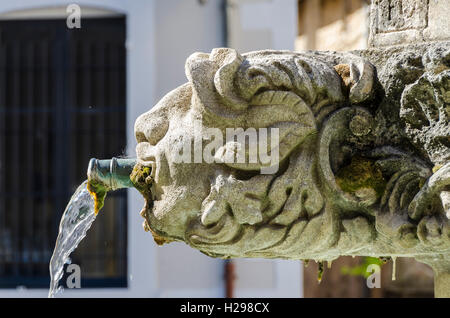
(363, 151)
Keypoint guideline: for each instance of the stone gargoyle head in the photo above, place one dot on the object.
(278, 154)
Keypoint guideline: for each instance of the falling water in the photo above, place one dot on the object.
(75, 222)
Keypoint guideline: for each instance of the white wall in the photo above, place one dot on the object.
(184, 27)
(262, 24)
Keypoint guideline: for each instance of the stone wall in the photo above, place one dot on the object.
(396, 22)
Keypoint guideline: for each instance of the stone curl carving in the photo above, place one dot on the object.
(339, 188)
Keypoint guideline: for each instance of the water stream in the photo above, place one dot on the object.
(76, 220)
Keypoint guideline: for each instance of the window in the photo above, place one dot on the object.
(62, 101)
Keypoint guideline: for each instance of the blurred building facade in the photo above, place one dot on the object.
(333, 25)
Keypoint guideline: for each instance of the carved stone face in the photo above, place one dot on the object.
(308, 206)
(177, 188)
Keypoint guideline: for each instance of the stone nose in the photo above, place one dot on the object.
(151, 127)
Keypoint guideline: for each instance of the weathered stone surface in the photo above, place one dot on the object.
(395, 22)
(353, 177)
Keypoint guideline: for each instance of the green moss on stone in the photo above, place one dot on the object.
(98, 192)
(361, 173)
(141, 179)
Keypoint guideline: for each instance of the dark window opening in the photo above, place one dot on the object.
(62, 102)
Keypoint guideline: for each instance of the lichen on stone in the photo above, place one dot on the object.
(361, 173)
(141, 177)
